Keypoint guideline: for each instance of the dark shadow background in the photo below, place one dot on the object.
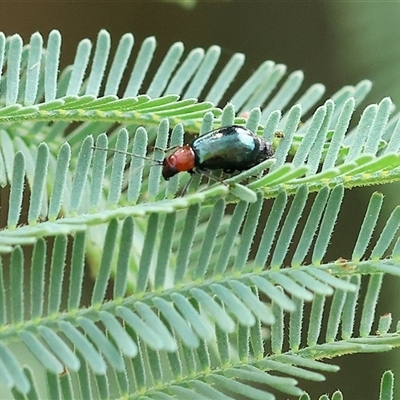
(324, 39)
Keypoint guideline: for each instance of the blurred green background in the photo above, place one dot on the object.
(335, 43)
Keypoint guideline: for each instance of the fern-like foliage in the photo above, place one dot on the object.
(184, 291)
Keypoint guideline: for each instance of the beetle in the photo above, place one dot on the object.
(230, 148)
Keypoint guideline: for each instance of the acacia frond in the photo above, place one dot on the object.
(183, 290)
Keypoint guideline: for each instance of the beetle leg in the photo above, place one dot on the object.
(184, 190)
(211, 176)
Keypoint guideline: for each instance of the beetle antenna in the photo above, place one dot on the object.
(156, 162)
(166, 150)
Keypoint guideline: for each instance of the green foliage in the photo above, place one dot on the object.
(185, 301)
